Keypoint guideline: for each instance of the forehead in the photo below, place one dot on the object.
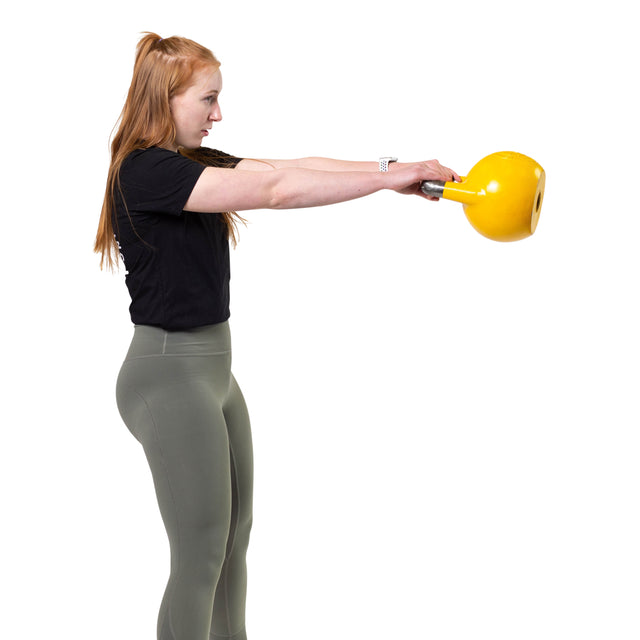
(207, 80)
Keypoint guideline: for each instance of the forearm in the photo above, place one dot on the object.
(298, 187)
(314, 163)
(331, 164)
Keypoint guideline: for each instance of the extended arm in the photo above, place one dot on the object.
(292, 184)
(290, 188)
(324, 164)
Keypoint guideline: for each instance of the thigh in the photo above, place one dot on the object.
(180, 423)
(241, 446)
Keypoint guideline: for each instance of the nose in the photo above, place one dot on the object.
(216, 113)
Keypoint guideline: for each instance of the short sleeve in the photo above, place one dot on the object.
(158, 180)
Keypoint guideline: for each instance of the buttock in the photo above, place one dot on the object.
(168, 372)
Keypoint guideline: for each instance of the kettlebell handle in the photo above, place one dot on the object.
(434, 188)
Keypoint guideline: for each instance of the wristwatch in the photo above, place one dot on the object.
(384, 162)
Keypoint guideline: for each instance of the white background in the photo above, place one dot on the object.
(446, 428)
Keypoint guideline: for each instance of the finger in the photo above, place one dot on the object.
(453, 175)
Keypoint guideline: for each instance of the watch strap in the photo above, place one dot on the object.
(384, 162)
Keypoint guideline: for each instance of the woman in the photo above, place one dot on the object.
(175, 390)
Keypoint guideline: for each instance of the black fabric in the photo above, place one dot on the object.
(177, 261)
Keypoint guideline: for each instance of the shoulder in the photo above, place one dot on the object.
(155, 156)
(158, 164)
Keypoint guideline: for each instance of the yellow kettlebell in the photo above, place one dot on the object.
(501, 196)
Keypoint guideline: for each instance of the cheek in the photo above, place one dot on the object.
(186, 115)
(197, 115)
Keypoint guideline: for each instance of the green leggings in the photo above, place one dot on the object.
(177, 396)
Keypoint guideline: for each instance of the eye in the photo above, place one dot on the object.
(211, 99)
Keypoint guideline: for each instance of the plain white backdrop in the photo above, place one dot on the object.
(446, 428)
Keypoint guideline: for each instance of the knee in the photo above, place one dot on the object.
(204, 551)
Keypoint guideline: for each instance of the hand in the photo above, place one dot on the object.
(429, 170)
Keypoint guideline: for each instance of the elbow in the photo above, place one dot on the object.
(277, 198)
(282, 194)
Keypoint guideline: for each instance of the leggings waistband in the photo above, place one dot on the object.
(148, 341)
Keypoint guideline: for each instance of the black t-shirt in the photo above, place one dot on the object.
(177, 261)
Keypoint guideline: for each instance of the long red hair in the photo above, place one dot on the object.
(163, 68)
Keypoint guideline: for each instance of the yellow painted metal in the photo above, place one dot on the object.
(501, 196)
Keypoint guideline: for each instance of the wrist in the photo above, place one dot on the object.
(385, 162)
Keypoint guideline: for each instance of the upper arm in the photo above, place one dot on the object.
(231, 190)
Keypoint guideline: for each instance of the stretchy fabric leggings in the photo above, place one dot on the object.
(177, 396)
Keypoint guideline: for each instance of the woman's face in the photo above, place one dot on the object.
(196, 109)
